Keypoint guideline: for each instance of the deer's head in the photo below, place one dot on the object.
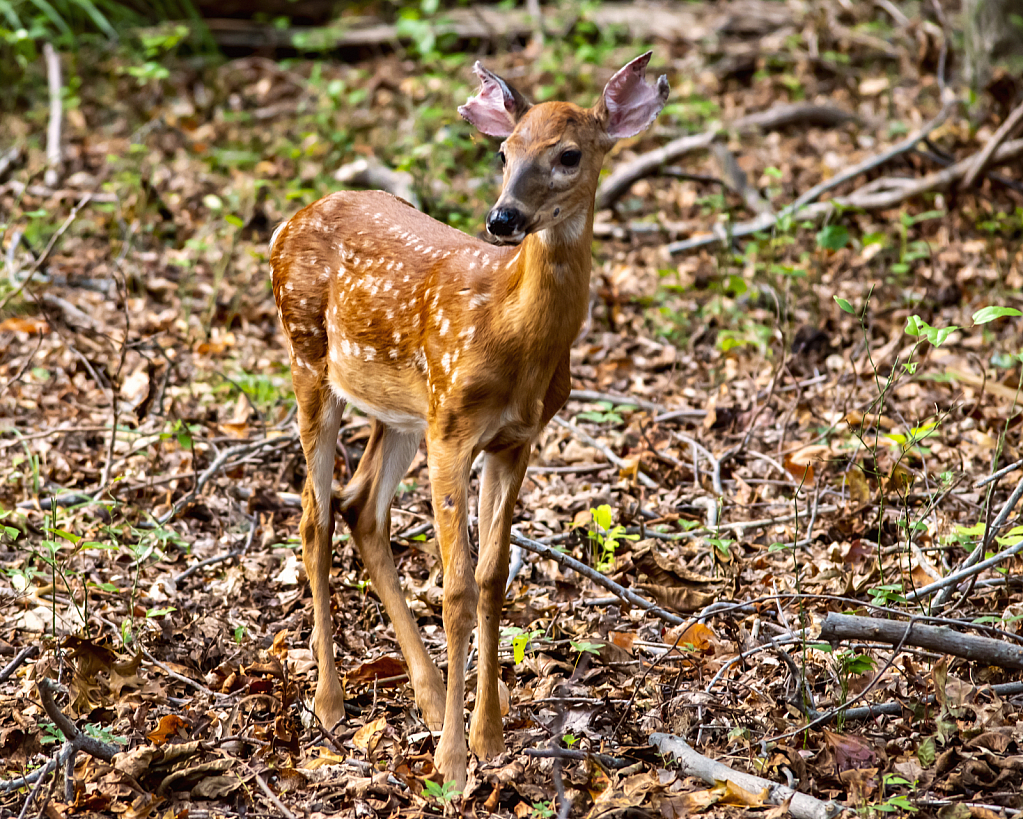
(552, 151)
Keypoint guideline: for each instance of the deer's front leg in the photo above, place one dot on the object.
(449, 478)
(502, 477)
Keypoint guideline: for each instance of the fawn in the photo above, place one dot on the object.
(434, 333)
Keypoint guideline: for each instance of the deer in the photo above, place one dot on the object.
(439, 335)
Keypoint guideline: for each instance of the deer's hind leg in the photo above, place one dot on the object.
(319, 418)
(366, 508)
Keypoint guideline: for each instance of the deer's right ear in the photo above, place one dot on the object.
(496, 107)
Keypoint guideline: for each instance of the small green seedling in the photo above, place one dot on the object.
(442, 793)
(606, 536)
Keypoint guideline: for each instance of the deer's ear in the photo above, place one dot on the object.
(496, 107)
(629, 103)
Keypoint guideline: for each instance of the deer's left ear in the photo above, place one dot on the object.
(496, 107)
(629, 103)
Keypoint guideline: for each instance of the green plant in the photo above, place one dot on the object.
(606, 413)
(605, 536)
(542, 810)
(103, 733)
(442, 793)
(519, 639)
(50, 733)
(585, 647)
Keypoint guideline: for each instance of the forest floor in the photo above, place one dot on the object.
(798, 431)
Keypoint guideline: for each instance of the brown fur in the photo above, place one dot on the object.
(436, 334)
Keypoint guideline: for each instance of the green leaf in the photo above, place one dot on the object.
(927, 752)
(585, 646)
(844, 305)
(986, 314)
(603, 516)
(833, 237)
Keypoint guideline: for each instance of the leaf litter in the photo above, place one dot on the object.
(159, 569)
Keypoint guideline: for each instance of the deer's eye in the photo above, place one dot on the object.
(504, 159)
(570, 158)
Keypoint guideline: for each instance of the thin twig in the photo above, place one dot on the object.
(628, 400)
(970, 566)
(210, 561)
(739, 526)
(543, 550)
(32, 795)
(827, 716)
(47, 250)
(589, 440)
(273, 798)
(180, 677)
(994, 476)
(719, 490)
(25, 654)
(8, 785)
(982, 159)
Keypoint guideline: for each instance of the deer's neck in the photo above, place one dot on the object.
(553, 278)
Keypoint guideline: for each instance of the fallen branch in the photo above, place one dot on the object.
(604, 760)
(778, 116)
(210, 561)
(54, 155)
(9, 159)
(589, 440)
(47, 689)
(872, 196)
(994, 476)
(984, 650)
(372, 173)
(273, 798)
(870, 163)
(75, 740)
(971, 566)
(896, 708)
(20, 188)
(47, 250)
(692, 763)
(984, 157)
(545, 551)
(25, 654)
(484, 23)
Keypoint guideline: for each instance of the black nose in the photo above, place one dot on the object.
(505, 221)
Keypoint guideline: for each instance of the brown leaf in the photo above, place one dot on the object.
(678, 599)
(369, 733)
(742, 798)
(858, 485)
(850, 752)
(214, 787)
(697, 635)
(170, 725)
(386, 668)
(662, 571)
(33, 325)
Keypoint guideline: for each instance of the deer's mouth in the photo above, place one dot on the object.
(511, 239)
